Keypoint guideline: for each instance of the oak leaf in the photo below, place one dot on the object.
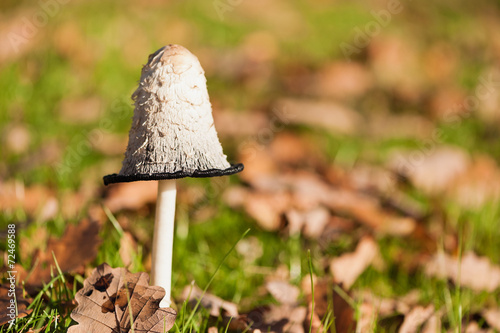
(115, 300)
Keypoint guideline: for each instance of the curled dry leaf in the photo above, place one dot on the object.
(415, 318)
(432, 170)
(341, 80)
(9, 310)
(283, 292)
(77, 247)
(36, 200)
(193, 293)
(131, 196)
(492, 317)
(328, 115)
(479, 185)
(349, 266)
(115, 300)
(278, 319)
(474, 272)
(326, 301)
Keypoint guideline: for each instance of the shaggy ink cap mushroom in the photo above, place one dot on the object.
(172, 136)
(173, 133)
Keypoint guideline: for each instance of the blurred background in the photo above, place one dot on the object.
(363, 111)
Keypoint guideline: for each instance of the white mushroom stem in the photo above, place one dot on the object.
(163, 238)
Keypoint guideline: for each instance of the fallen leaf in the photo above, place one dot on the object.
(283, 292)
(474, 272)
(473, 327)
(432, 169)
(115, 300)
(395, 64)
(433, 325)
(415, 318)
(266, 208)
(9, 310)
(492, 317)
(478, 185)
(348, 267)
(341, 80)
(389, 126)
(36, 200)
(288, 148)
(448, 103)
(258, 161)
(278, 319)
(328, 115)
(130, 196)
(13, 43)
(193, 294)
(109, 143)
(77, 247)
(17, 138)
(312, 222)
(250, 248)
(327, 302)
(440, 61)
(235, 124)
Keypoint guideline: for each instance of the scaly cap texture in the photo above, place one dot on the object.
(173, 133)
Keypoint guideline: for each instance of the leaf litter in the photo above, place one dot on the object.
(115, 300)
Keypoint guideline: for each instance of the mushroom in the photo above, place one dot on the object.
(172, 136)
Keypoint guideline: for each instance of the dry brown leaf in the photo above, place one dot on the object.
(250, 248)
(474, 272)
(479, 185)
(348, 267)
(345, 321)
(130, 196)
(433, 169)
(17, 138)
(13, 41)
(341, 80)
(289, 148)
(35, 200)
(389, 126)
(312, 222)
(433, 325)
(234, 124)
(367, 318)
(489, 103)
(492, 317)
(113, 298)
(277, 319)
(329, 115)
(9, 310)
(267, 209)
(77, 247)
(258, 161)
(193, 293)
(440, 61)
(415, 318)
(447, 103)
(109, 143)
(283, 292)
(473, 327)
(395, 64)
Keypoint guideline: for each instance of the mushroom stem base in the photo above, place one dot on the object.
(163, 238)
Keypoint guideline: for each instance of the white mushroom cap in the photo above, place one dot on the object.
(173, 129)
